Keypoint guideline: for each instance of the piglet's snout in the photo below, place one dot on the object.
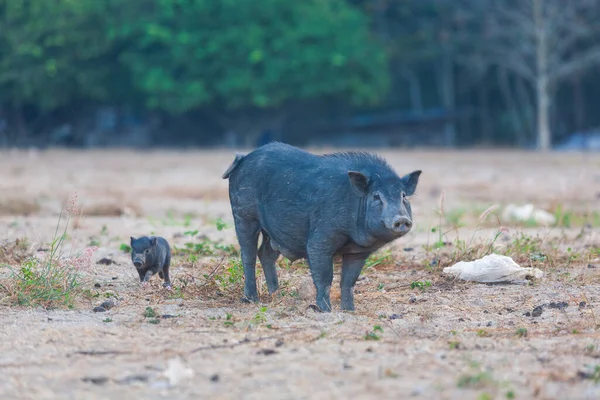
(400, 224)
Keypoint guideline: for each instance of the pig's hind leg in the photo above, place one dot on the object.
(164, 274)
(268, 256)
(247, 234)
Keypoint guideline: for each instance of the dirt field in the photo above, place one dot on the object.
(435, 339)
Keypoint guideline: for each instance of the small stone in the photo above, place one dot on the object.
(279, 343)
(97, 285)
(582, 304)
(165, 316)
(105, 261)
(408, 249)
(396, 316)
(560, 305)
(527, 314)
(489, 323)
(537, 311)
(114, 278)
(266, 352)
(215, 378)
(97, 380)
(99, 309)
(592, 266)
(108, 304)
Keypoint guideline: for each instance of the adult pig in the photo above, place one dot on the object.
(314, 207)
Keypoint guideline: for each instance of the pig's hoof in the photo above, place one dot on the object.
(245, 300)
(315, 308)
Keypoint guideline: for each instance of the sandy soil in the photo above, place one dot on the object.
(450, 340)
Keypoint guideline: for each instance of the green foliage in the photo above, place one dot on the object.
(419, 284)
(235, 54)
(53, 51)
(49, 282)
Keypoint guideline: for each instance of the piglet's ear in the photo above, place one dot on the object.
(410, 182)
(360, 183)
(131, 239)
(153, 241)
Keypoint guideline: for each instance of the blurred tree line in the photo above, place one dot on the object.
(526, 68)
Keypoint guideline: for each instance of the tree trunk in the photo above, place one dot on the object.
(542, 82)
(487, 129)
(446, 87)
(526, 105)
(578, 103)
(509, 99)
(416, 99)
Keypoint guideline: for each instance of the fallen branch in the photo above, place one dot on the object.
(242, 342)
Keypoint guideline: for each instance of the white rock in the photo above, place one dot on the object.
(513, 212)
(176, 371)
(493, 268)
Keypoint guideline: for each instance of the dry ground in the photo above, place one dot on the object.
(448, 340)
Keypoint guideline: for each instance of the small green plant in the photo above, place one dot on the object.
(220, 224)
(381, 257)
(510, 395)
(477, 380)
(420, 285)
(593, 373)
(104, 231)
(260, 317)
(125, 248)
(482, 333)
(233, 275)
(484, 396)
(521, 332)
(107, 320)
(154, 321)
(371, 335)
(228, 320)
(454, 345)
(149, 312)
(49, 282)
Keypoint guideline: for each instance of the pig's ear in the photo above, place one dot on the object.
(360, 183)
(131, 239)
(410, 182)
(153, 241)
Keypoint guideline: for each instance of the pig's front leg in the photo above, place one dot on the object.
(352, 264)
(147, 277)
(320, 262)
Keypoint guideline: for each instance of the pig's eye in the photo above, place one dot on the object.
(377, 197)
(147, 251)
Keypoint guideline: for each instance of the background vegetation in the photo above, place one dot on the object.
(84, 72)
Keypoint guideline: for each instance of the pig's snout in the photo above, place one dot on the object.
(401, 224)
(138, 262)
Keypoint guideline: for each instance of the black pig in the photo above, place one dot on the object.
(151, 255)
(314, 207)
